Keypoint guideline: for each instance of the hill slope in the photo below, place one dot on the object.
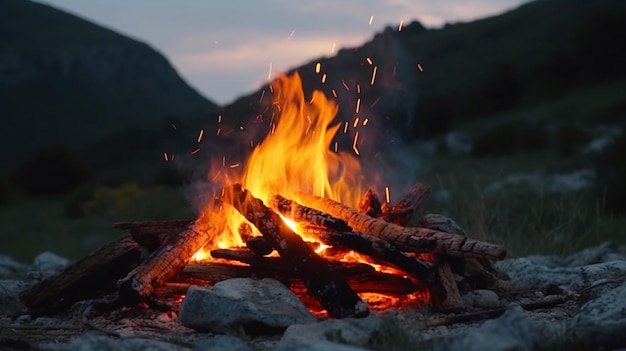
(66, 80)
(543, 50)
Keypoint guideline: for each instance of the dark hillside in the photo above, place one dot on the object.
(64, 80)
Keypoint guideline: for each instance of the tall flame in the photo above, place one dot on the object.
(295, 157)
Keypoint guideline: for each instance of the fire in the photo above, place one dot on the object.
(298, 156)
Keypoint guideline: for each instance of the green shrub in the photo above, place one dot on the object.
(51, 171)
(611, 176)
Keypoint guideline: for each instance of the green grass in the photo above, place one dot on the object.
(31, 226)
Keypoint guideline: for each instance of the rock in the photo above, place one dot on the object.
(441, 223)
(9, 268)
(48, 263)
(9, 294)
(526, 273)
(318, 346)
(601, 322)
(512, 331)
(224, 342)
(245, 302)
(481, 298)
(90, 342)
(353, 331)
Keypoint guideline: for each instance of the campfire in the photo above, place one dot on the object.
(296, 211)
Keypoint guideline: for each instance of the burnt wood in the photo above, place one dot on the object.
(92, 276)
(172, 256)
(327, 287)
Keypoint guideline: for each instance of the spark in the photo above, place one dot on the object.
(251, 144)
(323, 78)
(375, 102)
(334, 93)
(336, 146)
(400, 25)
(356, 138)
(174, 126)
(369, 61)
(387, 194)
(345, 128)
(219, 130)
(223, 161)
(345, 85)
(195, 151)
(318, 67)
(219, 119)
(356, 122)
(173, 156)
(165, 156)
(291, 34)
(241, 128)
(332, 49)
(273, 128)
(234, 165)
(271, 89)
(200, 135)
(365, 121)
(358, 105)
(269, 73)
(371, 20)
(358, 88)
(393, 73)
(419, 66)
(374, 75)
(262, 95)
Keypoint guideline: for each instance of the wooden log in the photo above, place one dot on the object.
(375, 248)
(327, 287)
(259, 246)
(172, 256)
(86, 278)
(444, 293)
(373, 281)
(369, 204)
(277, 264)
(307, 215)
(404, 238)
(153, 234)
(402, 211)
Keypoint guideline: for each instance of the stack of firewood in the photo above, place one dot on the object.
(436, 257)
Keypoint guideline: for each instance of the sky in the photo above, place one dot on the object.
(228, 48)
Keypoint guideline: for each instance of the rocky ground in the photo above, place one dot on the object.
(545, 303)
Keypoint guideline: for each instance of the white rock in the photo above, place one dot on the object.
(223, 342)
(9, 268)
(481, 298)
(48, 263)
(243, 302)
(91, 342)
(353, 331)
(601, 322)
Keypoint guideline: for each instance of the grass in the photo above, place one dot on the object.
(31, 226)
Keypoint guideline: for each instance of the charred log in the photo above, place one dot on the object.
(327, 287)
(86, 278)
(407, 239)
(402, 211)
(171, 257)
(153, 234)
(369, 204)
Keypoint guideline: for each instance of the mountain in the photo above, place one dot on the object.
(541, 51)
(64, 80)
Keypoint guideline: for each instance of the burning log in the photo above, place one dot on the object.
(278, 265)
(375, 248)
(327, 287)
(171, 257)
(301, 214)
(371, 281)
(407, 239)
(401, 213)
(86, 278)
(369, 204)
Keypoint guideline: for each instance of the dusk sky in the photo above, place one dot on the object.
(224, 48)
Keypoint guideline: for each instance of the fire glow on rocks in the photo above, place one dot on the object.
(296, 158)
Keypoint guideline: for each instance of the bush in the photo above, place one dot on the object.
(510, 138)
(611, 176)
(51, 171)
